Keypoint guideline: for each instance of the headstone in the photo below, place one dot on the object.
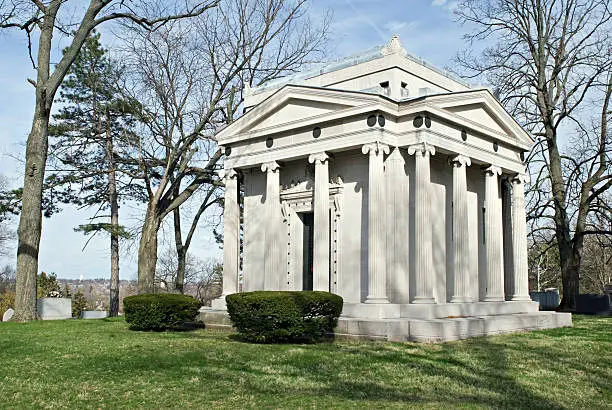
(593, 304)
(94, 314)
(8, 315)
(549, 299)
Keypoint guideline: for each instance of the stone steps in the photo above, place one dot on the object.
(214, 319)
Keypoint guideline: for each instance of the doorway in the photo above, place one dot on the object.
(308, 250)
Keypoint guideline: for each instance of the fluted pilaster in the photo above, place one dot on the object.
(321, 221)
(460, 231)
(423, 263)
(274, 231)
(231, 232)
(493, 237)
(519, 239)
(377, 272)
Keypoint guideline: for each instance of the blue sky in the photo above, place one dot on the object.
(426, 29)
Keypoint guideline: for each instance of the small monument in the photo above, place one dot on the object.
(54, 308)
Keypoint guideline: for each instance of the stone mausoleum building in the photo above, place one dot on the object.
(390, 183)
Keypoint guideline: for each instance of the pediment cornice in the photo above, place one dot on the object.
(350, 103)
(344, 101)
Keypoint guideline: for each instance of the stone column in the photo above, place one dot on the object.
(321, 222)
(231, 233)
(506, 197)
(519, 239)
(423, 262)
(274, 232)
(398, 233)
(493, 237)
(460, 231)
(377, 270)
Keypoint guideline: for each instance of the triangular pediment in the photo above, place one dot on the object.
(481, 111)
(295, 109)
(291, 107)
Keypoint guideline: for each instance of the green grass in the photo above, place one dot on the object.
(102, 364)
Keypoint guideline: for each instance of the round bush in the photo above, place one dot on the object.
(164, 311)
(279, 316)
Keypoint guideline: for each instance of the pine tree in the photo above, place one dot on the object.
(89, 146)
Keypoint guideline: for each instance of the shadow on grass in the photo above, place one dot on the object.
(486, 380)
(478, 372)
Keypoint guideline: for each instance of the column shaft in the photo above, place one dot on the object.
(398, 258)
(519, 240)
(377, 270)
(321, 222)
(231, 233)
(274, 233)
(494, 291)
(509, 284)
(460, 231)
(423, 262)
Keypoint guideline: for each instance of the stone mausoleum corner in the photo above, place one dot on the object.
(391, 183)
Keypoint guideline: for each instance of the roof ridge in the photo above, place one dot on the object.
(393, 47)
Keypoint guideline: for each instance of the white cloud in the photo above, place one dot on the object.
(395, 25)
(399, 27)
(452, 6)
(438, 2)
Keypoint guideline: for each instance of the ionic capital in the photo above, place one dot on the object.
(319, 157)
(492, 170)
(271, 166)
(422, 148)
(519, 179)
(460, 161)
(226, 174)
(375, 148)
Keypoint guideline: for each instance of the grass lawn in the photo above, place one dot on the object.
(102, 364)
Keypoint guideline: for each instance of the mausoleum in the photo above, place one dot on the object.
(390, 183)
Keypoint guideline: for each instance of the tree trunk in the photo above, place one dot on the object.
(567, 257)
(30, 220)
(114, 237)
(147, 250)
(181, 252)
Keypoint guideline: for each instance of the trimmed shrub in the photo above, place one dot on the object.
(279, 316)
(164, 311)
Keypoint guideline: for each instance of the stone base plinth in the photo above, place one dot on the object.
(214, 318)
(219, 303)
(434, 310)
(422, 330)
(448, 329)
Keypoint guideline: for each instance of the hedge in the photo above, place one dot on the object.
(283, 316)
(164, 311)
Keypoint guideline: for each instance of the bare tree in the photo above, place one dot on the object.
(211, 196)
(209, 282)
(43, 20)
(5, 234)
(597, 264)
(190, 78)
(202, 278)
(551, 64)
(167, 269)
